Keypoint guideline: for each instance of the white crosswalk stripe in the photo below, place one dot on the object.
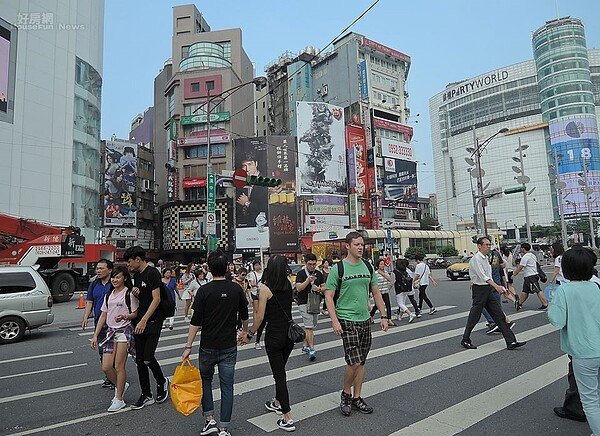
(254, 381)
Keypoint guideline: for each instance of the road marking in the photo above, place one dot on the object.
(50, 391)
(330, 401)
(463, 415)
(42, 370)
(39, 356)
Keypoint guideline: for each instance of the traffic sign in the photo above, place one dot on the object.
(211, 223)
(239, 178)
(210, 186)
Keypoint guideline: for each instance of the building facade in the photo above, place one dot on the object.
(526, 99)
(50, 111)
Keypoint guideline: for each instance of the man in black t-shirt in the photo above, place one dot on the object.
(216, 308)
(146, 287)
(309, 280)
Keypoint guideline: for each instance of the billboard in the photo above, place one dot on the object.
(251, 202)
(396, 149)
(574, 142)
(321, 149)
(191, 225)
(357, 167)
(400, 180)
(120, 182)
(8, 63)
(283, 213)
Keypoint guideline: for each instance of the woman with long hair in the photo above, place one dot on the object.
(118, 310)
(557, 250)
(171, 285)
(384, 281)
(275, 308)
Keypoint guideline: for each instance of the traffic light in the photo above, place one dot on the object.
(271, 182)
(515, 189)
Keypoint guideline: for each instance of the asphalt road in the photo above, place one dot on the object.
(419, 380)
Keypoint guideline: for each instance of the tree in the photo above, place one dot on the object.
(412, 251)
(448, 251)
(429, 223)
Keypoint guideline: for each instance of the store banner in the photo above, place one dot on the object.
(120, 184)
(321, 149)
(356, 141)
(283, 212)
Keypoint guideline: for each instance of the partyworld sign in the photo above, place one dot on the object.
(475, 84)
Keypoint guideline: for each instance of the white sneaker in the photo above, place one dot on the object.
(411, 317)
(124, 390)
(257, 346)
(116, 405)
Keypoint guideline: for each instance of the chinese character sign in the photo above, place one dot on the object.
(120, 182)
(321, 149)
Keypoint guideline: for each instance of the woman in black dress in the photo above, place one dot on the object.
(275, 308)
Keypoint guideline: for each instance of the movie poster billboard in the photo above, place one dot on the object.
(400, 180)
(8, 62)
(251, 202)
(321, 149)
(283, 213)
(120, 182)
(357, 149)
(574, 143)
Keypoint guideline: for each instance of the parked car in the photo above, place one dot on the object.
(459, 270)
(25, 302)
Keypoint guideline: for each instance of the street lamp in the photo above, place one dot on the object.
(476, 152)
(559, 186)
(587, 191)
(523, 179)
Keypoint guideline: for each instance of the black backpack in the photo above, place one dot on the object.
(403, 282)
(340, 268)
(166, 308)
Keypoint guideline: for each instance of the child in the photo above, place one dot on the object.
(118, 310)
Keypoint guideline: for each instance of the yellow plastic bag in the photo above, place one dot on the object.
(186, 388)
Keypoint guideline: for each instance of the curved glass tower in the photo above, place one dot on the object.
(567, 103)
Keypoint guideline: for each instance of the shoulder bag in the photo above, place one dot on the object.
(295, 333)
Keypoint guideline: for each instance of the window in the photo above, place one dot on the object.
(210, 85)
(16, 282)
(171, 99)
(199, 151)
(195, 87)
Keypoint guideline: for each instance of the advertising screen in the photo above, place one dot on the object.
(574, 143)
(321, 149)
(400, 180)
(120, 182)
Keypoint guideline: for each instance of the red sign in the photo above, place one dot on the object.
(239, 178)
(385, 50)
(196, 182)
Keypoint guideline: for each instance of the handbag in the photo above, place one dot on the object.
(313, 304)
(541, 274)
(186, 388)
(295, 333)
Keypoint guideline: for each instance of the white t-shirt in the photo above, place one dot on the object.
(557, 264)
(423, 271)
(529, 264)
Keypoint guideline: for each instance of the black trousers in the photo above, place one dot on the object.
(572, 400)
(145, 347)
(388, 305)
(483, 297)
(423, 297)
(279, 348)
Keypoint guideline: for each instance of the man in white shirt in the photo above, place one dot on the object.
(531, 284)
(483, 287)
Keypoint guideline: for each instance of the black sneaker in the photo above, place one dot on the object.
(542, 308)
(143, 401)
(286, 425)
(162, 391)
(493, 328)
(209, 427)
(107, 384)
(272, 407)
(360, 405)
(346, 404)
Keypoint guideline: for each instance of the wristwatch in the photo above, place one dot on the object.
(250, 334)
(187, 347)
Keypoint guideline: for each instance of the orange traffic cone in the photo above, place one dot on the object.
(81, 302)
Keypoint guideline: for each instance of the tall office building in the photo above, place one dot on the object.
(50, 89)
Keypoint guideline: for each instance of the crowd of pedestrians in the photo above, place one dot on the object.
(125, 304)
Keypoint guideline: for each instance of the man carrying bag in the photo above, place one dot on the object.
(309, 284)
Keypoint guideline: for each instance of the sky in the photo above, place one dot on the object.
(447, 40)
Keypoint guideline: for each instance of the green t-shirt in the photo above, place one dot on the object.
(353, 301)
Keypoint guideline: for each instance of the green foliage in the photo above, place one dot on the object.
(412, 251)
(429, 223)
(448, 251)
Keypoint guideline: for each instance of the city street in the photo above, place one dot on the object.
(419, 380)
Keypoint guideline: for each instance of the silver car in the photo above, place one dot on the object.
(25, 302)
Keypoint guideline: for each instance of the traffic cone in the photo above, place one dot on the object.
(81, 302)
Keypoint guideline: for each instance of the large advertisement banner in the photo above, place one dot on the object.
(191, 225)
(252, 229)
(120, 182)
(574, 142)
(357, 146)
(321, 149)
(283, 214)
(400, 180)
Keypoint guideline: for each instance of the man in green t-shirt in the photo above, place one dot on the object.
(351, 320)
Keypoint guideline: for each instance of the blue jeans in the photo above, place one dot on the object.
(225, 361)
(587, 374)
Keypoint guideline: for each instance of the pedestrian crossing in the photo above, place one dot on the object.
(423, 358)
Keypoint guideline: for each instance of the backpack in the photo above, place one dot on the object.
(403, 282)
(166, 307)
(340, 268)
(541, 274)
